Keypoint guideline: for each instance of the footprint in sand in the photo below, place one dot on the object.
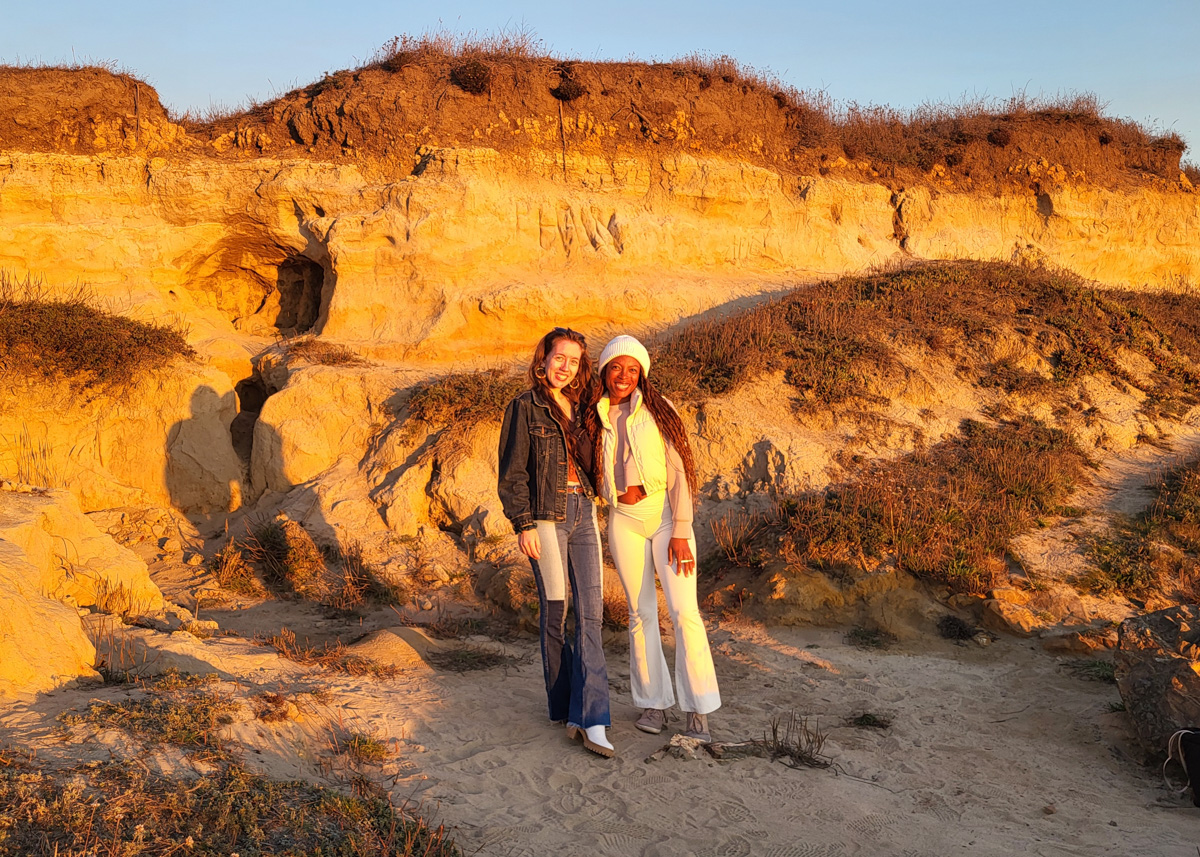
(733, 847)
(734, 813)
(805, 849)
(872, 825)
(617, 828)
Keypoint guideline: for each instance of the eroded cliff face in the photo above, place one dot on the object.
(474, 248)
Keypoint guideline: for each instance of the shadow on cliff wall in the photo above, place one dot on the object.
(203, 475)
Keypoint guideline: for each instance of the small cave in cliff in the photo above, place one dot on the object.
(299, 285)
(251, 393)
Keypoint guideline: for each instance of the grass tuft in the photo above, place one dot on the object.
(867, 720)
(232, 572)
(318, 351)
(333, 657)
(1102, 671)
(951, 627)
(869, 638)
(796, 744)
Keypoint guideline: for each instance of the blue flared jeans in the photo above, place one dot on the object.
(576, 675)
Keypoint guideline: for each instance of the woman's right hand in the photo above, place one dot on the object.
(530, 544)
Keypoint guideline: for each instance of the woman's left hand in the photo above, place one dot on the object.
(680, 553)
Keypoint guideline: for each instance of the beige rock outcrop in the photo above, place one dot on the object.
(476, 248)
(76, 562)
(42, 643)
(165, 441)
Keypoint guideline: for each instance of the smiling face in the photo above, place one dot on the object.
(621, 375)
(562, 363)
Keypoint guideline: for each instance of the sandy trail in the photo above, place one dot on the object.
(991, 752)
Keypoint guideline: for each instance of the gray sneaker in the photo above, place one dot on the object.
(697, 727)
(653, 720)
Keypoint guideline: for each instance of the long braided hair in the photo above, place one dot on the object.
(670, 426)
(580, 388)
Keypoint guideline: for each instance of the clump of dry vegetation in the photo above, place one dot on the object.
(458, 402)
(287, 555)
(233, 572)
(361, 747)
(945, 514)
(468, 658)
(330, 656)
(121, 808)
(318, 351)
(868, 720)
(290, 562)
(69, 338)
(175, 708)
(840, 342)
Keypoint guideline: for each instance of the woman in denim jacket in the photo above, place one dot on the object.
(545, 486)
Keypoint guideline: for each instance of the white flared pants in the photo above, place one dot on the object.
(638, 536)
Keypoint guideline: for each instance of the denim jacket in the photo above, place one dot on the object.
(533, 463)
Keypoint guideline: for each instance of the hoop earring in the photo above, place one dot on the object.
(540, 373)
(574, 385)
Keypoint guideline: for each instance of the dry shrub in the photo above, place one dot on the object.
(358, 581)
(330, 656)
(472, 75)
(945, 514)
(232, 572)
(314, 350)
(735, 533)
(122, 808)
(69, 338)
(835, 341)
(458, 402)
(287, 556)
(569, 88)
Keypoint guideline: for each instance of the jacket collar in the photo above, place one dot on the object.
(602, 407)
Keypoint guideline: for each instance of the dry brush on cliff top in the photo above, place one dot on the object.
(1018, 330)
(504, 92)
(72, 339)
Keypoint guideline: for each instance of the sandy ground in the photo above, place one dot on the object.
(992, 751)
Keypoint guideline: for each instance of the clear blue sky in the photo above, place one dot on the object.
(1141, 58)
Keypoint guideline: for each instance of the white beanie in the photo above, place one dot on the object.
(625, 345)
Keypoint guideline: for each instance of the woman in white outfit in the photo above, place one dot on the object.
(646, 473)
